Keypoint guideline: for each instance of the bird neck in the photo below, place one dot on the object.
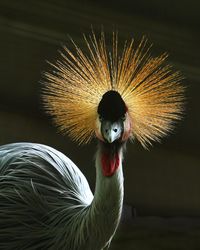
(106, 207)
(109, 157)
(109, 174)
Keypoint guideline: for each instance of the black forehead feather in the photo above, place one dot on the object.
(112, 107)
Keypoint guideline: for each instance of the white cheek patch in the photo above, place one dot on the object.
(127, 128)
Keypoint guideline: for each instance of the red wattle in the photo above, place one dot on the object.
(109, 164)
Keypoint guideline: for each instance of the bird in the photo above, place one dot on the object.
(110, 94)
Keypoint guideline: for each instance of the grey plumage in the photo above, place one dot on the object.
(46, 202)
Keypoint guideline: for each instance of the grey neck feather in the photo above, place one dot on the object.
(105, 210)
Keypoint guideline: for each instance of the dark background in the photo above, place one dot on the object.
(162, 186)
(164, 181)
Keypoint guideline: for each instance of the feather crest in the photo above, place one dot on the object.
(151, 89)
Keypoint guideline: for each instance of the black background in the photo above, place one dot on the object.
(163, 181)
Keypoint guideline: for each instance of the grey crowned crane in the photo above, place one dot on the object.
(45, 201)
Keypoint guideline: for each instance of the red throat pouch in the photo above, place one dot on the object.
(109, 163)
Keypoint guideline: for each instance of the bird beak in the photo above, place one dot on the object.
(111, 131)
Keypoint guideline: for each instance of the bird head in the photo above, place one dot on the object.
(113, 95)
(113, 121)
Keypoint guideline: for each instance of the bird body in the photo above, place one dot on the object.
(46, 202)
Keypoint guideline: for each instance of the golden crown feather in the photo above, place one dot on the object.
(150, 88)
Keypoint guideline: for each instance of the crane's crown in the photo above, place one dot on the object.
(112, 107)
(99, 81)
